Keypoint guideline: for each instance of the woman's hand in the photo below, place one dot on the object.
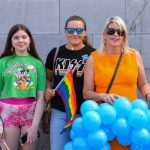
(148, 97)
(110, 98)
(49, 94)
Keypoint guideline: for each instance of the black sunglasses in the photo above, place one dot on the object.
(111, 31)
(72, 30)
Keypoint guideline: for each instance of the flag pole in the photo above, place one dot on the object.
(61, 80)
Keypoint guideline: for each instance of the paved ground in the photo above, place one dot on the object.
(43, 142)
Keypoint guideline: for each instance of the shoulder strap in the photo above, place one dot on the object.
(56, 52)
(115, 72)
(55, 56)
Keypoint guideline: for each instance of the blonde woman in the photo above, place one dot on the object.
(101, 64)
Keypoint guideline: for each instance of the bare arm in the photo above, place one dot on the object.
(49, 92)
(32, 131)
(40, 104)
(142, 83)
(88, 88)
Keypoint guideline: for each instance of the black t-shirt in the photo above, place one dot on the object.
(68, 59)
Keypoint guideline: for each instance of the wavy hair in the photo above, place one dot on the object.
(117, 20)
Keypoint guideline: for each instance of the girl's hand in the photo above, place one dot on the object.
(32, 135)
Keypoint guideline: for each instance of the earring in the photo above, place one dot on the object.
(28, 49)
(12, 49)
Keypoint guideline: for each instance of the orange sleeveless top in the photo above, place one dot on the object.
(125, 82)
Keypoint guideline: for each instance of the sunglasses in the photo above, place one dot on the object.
(72, 30)
(111, 31)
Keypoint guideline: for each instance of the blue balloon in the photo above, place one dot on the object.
(147, 125)
(122, 106)
(105, 147)
(68, 146)
(73, 135)
(91, 120)
(80, 143)
(120, 127)
(107, 113)
(135, 147)
(140, 137)
(124, 140)
(108, 131)
(139, 103)
(97, 138)
(137, 118)
(88, 105)
(78, 127)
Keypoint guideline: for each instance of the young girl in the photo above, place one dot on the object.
(22, 85)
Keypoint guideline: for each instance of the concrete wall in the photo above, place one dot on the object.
(46, 20)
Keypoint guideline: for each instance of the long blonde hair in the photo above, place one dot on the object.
(121, 23)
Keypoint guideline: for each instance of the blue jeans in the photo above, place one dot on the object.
(58, 121)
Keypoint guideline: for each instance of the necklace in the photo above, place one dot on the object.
(75, 48)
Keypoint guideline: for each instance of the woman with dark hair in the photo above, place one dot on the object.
(23, 81)
(72, 55)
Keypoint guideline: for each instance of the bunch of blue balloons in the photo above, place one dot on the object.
(128, 122)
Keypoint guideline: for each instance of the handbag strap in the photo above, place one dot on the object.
(56, 53)
(115, 72)
(47, 103)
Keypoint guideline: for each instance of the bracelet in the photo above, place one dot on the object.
(146, 96)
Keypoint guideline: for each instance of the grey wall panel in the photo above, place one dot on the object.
(2, 42)
(96, 41)
(145, 50)
(137, 12)
(94, 12)
(146, 19)
(44, 43)
(135, 42)
(41, 16)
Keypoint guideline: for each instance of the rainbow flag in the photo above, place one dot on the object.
(66, 90)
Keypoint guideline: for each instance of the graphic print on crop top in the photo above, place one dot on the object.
(22, 73)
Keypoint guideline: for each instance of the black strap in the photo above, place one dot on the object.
(56, 52)
(48, 102)
(115, 72)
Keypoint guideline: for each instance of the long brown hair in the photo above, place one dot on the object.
(7, 50)
(78, 18)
